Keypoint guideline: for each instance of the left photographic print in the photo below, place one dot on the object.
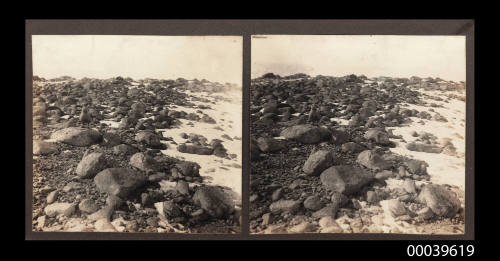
(137, 133)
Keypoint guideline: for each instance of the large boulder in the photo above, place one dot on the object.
(270, 144)
(90, 165)
(43, 148)
(149, 138)
(304, 133)
(214, 201)
(143, 162)
(119, 181)
(318, 161)
(377, 136)
(124, 149)
(440, 200)
(188, 168)
(77, 136)
(345, 179)
(372, 160)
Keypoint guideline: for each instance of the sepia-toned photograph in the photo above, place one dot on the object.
(137, 133)
(357, 134)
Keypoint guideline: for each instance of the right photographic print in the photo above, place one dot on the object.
(357, 134)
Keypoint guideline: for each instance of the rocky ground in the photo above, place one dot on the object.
(123, 155)
(357, 155)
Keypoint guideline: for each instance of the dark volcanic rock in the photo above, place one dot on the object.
(339, 137)
(313, 203)
(124, 149)
(149, 138)
(318, 161)
(76, 136)
(352, 147)
(290, 206)
(189, 169)
(254, 150)
(168, 209)
(213, 200)
(143, 162)
(90, 165)
(377, 136)
(418, 167)
(345, 179)
(270, 144)
(195, 149)
(330, 210)
(118, 181)
(303, 133)
(440, 200)
(372, 160)
(111, 139)
(421, 147)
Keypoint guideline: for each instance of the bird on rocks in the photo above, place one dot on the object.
(85, 117)
(314, 115)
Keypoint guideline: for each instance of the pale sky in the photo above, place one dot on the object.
(340, 55)
(215, 58)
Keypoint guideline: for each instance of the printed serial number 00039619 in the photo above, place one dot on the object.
(440, 250)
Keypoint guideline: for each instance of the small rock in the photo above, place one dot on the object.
(329, 225)
(182, 187)
(168, 209)
(329, 210)
(88, 206)
(313, 203)
(41, 222)
(425, 213)
(43, 148)
(277, 194)
(52, 197)
(371, 197)
(303, 227)
(267, 219)
(372, 160)
(440, 200)
(409, 186)
(396, 208)
(283, 205)
(317, 162)
(55, 209)
(103, 225)
(90, 165)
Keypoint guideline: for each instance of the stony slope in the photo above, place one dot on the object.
(345, 155)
